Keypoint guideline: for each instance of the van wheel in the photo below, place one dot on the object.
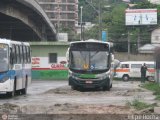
(150, 78)
(125, 77)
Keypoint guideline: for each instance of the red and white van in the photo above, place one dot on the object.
(132, 69)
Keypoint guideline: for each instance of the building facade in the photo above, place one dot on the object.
(155, 1)
(62, 13)
(49, 60)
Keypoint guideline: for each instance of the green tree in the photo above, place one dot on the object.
(114, 22)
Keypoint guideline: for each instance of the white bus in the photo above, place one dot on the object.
(15, 67)
(131, 69)
(90, 64)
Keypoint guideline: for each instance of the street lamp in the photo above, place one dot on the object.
(81, 23)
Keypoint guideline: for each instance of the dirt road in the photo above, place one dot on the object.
(56, 97)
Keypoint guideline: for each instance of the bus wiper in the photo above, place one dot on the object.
(94, 54)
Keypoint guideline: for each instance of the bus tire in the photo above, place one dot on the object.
(107, 87)
(24, 90)
(125, 77)
(111, 86)
(13, 93)
(73, 87)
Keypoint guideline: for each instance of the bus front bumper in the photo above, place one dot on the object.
(6, 86)
(88, 83)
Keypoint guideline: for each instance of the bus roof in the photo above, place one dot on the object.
(9, 42)
(91, 41)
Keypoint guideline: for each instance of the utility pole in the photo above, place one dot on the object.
(81, 24)
(100, 21)
(99, 17)
(138, 40)
(58, 17)
(129, 45)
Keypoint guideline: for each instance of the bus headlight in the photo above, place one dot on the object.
(4, 79)
(104, 77)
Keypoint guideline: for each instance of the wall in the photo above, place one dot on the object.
(41, 68)
(134, 57)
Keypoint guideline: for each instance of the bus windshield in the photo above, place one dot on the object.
(89, 60)
(3, 57)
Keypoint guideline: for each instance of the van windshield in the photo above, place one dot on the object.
(150, 66)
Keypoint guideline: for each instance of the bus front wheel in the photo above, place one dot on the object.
(12, 93)
(73, 87)
(107, 87)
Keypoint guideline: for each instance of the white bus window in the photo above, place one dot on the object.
(24, 54)
(21, 54)
(14, 54)
(28, 54)
(18, 54)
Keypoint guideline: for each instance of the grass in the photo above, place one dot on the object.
(138, 105)
(155, 87)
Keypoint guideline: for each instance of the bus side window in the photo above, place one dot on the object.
(21, 54)
(24, 54)
(20, 59)
(26, 59)
(11, 56)
(28, 54)
(14, 54)
(17, 54)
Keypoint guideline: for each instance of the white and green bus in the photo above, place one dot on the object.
(90, 64)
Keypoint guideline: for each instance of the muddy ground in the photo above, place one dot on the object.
(59, 102)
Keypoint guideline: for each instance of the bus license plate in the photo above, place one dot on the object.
(88, 82)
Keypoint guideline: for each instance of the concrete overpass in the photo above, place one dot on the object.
(25, 20)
